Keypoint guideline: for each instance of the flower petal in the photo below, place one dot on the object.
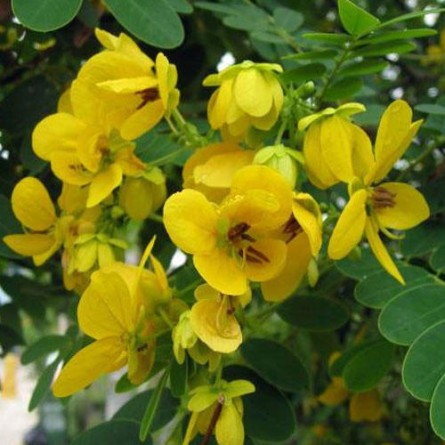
(350, 226)
(219, 330)
(89, 364)
(379, 250)
(252, 92)
(229, 428)
(103, 184)
(32, 205)
(222, 272)
(142, 120)
(287, 281)
(191, 221)
(106, 308)
(410, 208)
(29, 244)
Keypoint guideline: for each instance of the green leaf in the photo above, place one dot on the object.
(336, 368)
(424, 363)
(310, 71)
(268, 37)
(178, 378)
(423, 239)
(431, 109)
(155, 23)
(217, 7)
(45, 15)
(287, 18)
(42, 347)
(398, 35)
(379, 288)
(147, 421)
(181, 6)
(410, 16)
(412, 312)
(363, 68)
(367, 367)
(9, 337)
(276, 364)
(43, 384)
(343, 89)
(122, 432)
(268, 416)
(382, 49)
(325, 37)
(134, 409)
(314, 313)
(312, 55)
(356, 20)
(359, 268)
(247, 23)
(438, 408)
(437, 259)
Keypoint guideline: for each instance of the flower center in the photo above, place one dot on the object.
(382, 198)
(148, 95)
(242, 241)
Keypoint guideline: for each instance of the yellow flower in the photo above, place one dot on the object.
(249, 95)
(230, 243)
(185, 339)
(213, 319)
(375, 207)
(85, 154)
(303, 234)
(210, 169)
(118, 311)
(332, 144)
(435, 54)
(218, 410)
(124, 88)
(363, 406)
(44, 231)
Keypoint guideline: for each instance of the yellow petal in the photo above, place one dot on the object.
(106, 308)
(335, 393)
(394, 135)
(308, 215)
(260, 270)
(365, 406)
(89, 364)
(32, 205)
(103, 184)
(129, 85)
(229, 428)
(142, 120)
(68, 168)
(237, 388)
(410, 207)
(216, 328)
(140, 362)
(287, 281)
(362, 155)
(219, 104)
(336, 147)
(379, 250)
(318, 171)
(252, 92)
(191, 221)
(350, 227)
(30, 244)
(222, 272)
(56, 133)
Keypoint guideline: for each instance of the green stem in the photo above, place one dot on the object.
(162, 160)
(281, 132)
(156, 217)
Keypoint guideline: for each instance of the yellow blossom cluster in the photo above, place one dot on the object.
(244, 215)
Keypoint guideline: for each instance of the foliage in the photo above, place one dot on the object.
(304, 182)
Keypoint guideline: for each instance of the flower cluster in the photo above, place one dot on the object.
(244, 215)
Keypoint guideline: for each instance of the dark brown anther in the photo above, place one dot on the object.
(148, 95)
(292, 227)
(213, 420)
(238, 231)
(142, 347)
(260, 255)
(382, 198)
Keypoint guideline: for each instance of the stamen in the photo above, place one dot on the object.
(382, 198)
(251, 250)
(292, 227)
(238, 231)
(148, 95)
